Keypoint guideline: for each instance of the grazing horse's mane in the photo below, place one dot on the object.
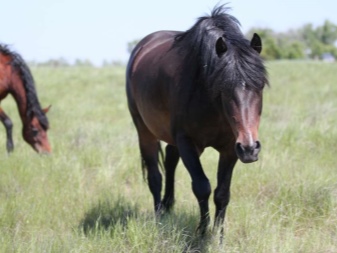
(33, 106)
(239, 65)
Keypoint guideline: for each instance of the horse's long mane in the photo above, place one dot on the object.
(20, 67)
(241, 64)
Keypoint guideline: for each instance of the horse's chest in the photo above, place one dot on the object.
(207, 128)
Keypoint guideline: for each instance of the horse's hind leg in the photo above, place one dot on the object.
(171, 161)
(149, 149)
(6, 121)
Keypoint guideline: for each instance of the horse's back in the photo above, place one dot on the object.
(150, 75)
(152, 44)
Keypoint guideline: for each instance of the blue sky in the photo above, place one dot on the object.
(99, 30)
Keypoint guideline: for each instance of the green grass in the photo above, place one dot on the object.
(90, 196)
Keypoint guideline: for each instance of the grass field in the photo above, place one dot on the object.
(90, 196)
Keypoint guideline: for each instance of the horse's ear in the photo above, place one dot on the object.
(45, 110)
(220, 46)
(256, 43)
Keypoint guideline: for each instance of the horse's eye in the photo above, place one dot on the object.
(35, 131)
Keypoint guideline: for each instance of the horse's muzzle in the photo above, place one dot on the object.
(248, 154)
(44, 150)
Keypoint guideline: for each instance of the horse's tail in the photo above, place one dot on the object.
(161, 159)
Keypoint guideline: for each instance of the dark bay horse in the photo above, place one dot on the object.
(17, 80)
(196, 89)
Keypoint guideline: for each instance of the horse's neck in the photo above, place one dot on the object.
(17, 90)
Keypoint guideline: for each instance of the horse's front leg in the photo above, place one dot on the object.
(226, 164)
(200, 183)
(6, 121)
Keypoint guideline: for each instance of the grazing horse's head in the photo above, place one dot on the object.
(35, 131)
(22, 87)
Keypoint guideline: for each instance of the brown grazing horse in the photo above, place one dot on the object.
(196, 89)
(17, 80)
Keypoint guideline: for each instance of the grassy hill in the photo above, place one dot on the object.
(90, 196)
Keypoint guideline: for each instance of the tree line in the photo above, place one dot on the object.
(306, 42)
(62, 62)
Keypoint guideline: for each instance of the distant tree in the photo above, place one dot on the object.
(106, 63)
(270, 49)
(306, 41)
(61, 62)
(296, 50)
(83, 63)
(32, 63)
(319, 40)
(112, 63)
(131, 45)
(308, 34)
(327, 33)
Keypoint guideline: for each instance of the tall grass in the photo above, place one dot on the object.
(90, 196)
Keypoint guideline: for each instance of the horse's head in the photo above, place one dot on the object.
(35, 133)
(244, 111)
(243, 104)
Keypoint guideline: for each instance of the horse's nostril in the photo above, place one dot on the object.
(257, 145)
(239, 148)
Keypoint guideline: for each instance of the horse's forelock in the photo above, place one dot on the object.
(239, 64)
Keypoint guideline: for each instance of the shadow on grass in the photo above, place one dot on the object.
(177, 227)
(106, 215)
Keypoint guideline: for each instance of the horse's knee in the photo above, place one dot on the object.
(221, 199)
(201, 189)
(155, 184)
(8, 124)
(154, 180)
